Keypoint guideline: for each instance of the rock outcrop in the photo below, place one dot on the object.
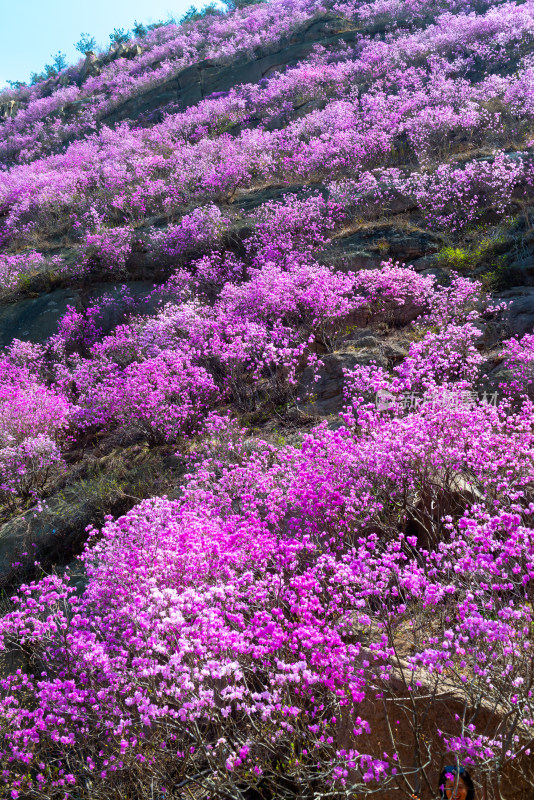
(200, 80)
(8, 109)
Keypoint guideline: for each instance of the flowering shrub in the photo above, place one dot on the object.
(519, 360)
(33, 422)
(300, 295)
(166, 396)
(110, 246)
(79, 330)
(25, 466)
(448, 356)
(201, 228)
(292, 225)
(14, 268)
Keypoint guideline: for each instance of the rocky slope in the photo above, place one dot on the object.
(266, 315)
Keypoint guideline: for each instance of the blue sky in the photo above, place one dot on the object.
(32, 31)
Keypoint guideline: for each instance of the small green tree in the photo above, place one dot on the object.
(162, 23)
(86, 44)
(119, 36)
(231, 5)
(210, 10)
(139, 30)
(192, 14)
(59, 62)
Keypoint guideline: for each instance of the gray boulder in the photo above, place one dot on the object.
(34, 319)
(52, 536)
(520, 314)
(325, 396)
(92, 66)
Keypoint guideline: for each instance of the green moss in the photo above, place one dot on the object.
(484, 253)
(24, 283)
(455, 258)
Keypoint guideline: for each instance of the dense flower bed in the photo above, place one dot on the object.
(421, 98)
(169, 49)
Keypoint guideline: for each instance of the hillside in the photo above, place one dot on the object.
(266, 408)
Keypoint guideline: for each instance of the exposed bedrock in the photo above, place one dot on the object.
(199, 80)
(35, 319)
